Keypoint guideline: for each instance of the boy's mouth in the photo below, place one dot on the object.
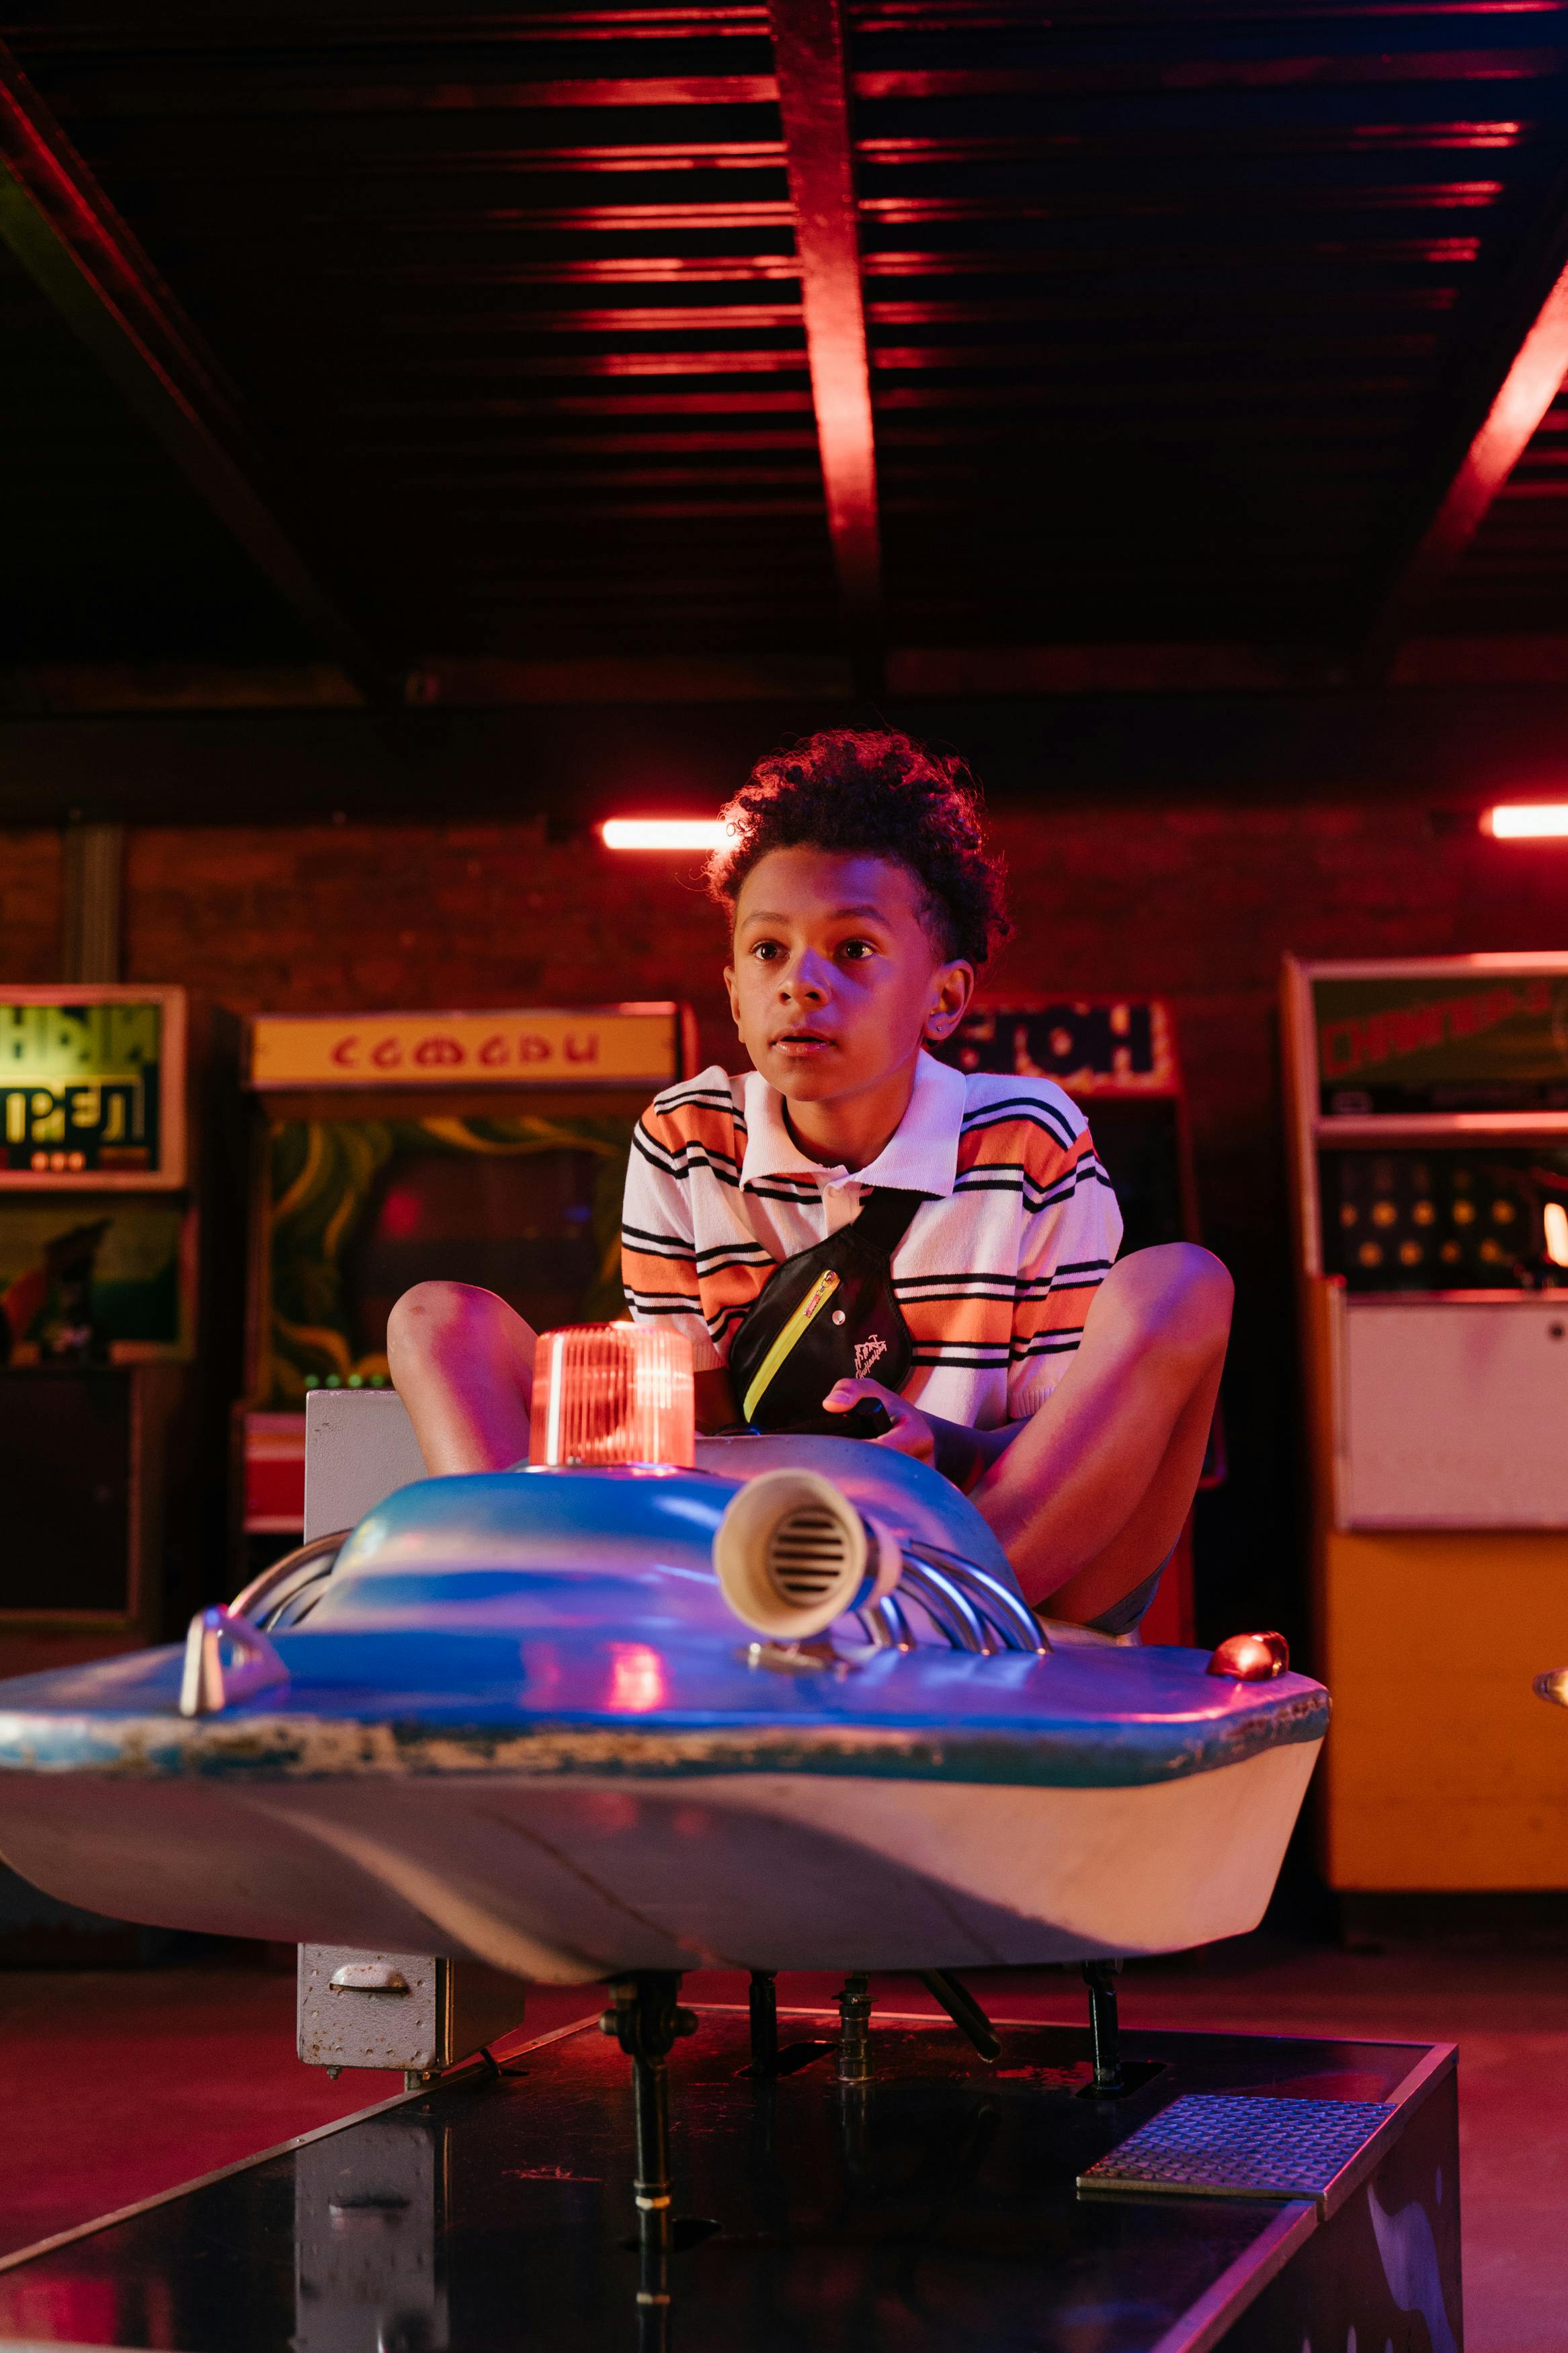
(802, 1044)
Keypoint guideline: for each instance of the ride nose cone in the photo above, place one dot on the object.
(792, 1555)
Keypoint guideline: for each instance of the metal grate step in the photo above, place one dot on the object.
(1207, 2144)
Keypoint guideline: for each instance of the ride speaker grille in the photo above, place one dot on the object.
(809, 1553)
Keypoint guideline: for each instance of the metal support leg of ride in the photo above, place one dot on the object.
(648, 2021)
(855, 2035)
(963, 2010)
(1100, 1979)
(765, 2002)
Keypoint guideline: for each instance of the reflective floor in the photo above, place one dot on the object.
(936, 2208)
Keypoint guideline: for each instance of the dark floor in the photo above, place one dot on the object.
(121, 2083)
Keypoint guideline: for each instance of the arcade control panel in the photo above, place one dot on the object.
(1492, 1218)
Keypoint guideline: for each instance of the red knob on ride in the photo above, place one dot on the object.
(1251, 1658)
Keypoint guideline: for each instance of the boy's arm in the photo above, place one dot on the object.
(960, 1453)
(1066, 1249)
(1113, 1386)
(658, 1262)
(1089, 1495)
(964, 1455)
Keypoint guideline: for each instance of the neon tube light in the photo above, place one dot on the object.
(1528, 821)
(664, 833)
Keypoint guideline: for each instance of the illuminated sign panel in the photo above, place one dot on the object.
(1411, 1043)
(1091, 1046)
(611, 1046)
(81, 1088)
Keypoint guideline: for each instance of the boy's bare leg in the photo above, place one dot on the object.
(1090, 1495)
(462, 1362)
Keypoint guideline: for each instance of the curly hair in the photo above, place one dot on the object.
(877, 792)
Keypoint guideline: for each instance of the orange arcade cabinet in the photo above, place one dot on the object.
(1428, 1122)
(391, 1149)
(1117, 1058)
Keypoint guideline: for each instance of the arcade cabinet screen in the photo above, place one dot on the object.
(362, 1210)
(521, 1228)
(79, 1088)
(107, 1263)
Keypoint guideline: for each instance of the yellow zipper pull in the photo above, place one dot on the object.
(810, 1307)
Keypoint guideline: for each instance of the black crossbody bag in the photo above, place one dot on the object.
(828, 1313)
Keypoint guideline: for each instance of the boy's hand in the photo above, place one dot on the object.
(912, 1434)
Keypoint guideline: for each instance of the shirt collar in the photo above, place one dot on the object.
(919, 1156)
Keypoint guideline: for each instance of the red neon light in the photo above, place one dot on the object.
(664, 833)
(1527, 821)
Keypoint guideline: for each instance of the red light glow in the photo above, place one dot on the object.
(637, 1679)
(400, 1215)
(1527, 821)
(664, 833)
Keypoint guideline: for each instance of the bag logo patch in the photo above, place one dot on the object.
(867, 1353)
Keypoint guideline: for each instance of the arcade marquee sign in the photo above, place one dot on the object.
(91, 1088)
(1432, 1040)
(614, 1045)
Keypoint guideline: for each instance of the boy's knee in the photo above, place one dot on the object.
(1180, 1294)
(436, 1316)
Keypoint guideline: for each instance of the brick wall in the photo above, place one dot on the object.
(29, 904)
(1196, 903)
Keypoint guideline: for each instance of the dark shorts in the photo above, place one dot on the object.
(1124, 1615)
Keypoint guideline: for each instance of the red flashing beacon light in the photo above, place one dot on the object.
(607, 1393)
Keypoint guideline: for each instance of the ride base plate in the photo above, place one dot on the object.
(936, 2207)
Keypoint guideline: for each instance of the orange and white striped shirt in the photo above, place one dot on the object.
(995, 1276)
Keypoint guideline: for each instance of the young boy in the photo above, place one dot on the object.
(1069, 1396)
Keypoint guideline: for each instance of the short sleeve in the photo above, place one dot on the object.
(1073, 1231)
(659, 1254)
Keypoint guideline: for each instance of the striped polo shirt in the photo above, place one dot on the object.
(995, 1276)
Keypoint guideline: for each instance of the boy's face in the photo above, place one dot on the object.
(836, 981)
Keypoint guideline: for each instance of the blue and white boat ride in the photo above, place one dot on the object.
(784, 1709)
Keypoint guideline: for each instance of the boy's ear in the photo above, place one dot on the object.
(730, 990)
(950, 999)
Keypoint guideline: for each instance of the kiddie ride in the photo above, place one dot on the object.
(645, 1707)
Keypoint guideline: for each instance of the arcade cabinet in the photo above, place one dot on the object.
(1428, 1126)
(97, 1257)
(1117, 1058)
(391, 1149)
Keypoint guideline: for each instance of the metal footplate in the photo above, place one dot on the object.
(1209, 2146)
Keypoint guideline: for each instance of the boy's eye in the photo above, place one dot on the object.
(766, 951)
(857, 950)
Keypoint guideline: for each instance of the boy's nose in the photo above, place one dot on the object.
(803, 982)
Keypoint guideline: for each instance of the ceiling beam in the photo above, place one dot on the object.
(68, 236)
(1522, 362)
(813, 99)
(945, 674)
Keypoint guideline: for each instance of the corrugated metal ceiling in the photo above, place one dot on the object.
(1170, 313)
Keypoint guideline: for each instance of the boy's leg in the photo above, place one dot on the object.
(1092, 1494)
(462, 1362)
